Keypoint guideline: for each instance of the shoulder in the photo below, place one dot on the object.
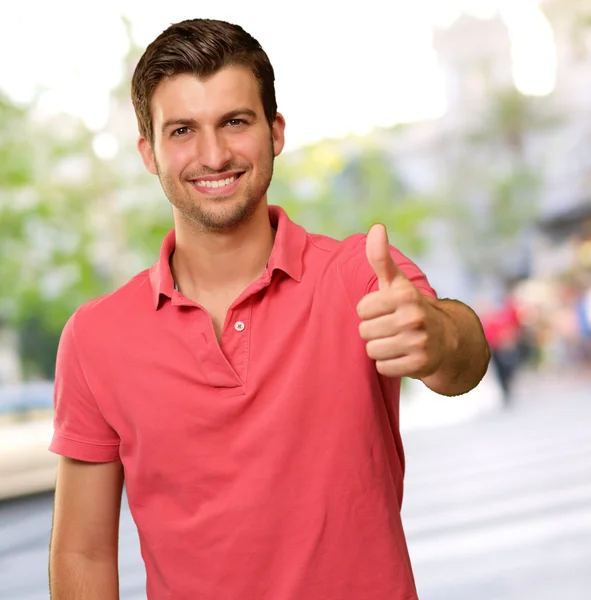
(102, 314)
(358, 276)
(348, 259)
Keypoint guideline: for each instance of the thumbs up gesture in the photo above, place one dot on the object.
(403, 329)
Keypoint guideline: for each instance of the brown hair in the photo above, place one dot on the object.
(199, 47)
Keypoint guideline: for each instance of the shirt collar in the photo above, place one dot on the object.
(286, 256)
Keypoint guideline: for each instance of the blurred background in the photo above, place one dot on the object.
(464, 126)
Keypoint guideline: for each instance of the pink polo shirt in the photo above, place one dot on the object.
(267, 467)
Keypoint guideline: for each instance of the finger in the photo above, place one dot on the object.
(408, 343)
(388, 348)
(384, 302)
(380, 327)
(405, 318)
(405, 366)
(378, 255)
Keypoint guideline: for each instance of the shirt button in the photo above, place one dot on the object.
(239, 326)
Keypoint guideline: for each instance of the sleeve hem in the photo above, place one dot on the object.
(86, 451)
(425, 290)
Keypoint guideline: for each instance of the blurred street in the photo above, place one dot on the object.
(495, 509)
(500, 509)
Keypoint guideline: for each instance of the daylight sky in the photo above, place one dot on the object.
(340, 67)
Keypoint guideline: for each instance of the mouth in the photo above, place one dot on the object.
(221, 185)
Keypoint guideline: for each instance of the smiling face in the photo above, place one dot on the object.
(213, 149)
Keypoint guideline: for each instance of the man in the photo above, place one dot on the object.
(246, 386)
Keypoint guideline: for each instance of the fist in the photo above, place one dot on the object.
(403, 330)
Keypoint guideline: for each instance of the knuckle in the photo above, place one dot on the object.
(416, 318)
(364, 330)
(382, 367)
(409, 294)
(370, 348)
(421, 341)
(361, 309)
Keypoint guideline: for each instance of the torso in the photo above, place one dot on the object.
(269, 465)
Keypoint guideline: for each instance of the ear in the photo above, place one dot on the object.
(147, 153)
(278, 133)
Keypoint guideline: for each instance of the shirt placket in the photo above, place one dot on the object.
(235, 342)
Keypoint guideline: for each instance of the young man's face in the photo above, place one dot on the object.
(213, 149)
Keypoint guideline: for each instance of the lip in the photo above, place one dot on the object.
(223, 191)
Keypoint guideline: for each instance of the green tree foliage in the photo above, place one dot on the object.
(16, 167)
(48, 183)
(338, 188)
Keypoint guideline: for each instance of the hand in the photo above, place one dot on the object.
(404, 331)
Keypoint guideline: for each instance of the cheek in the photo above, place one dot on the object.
(255, 149)
(242, 147)
(174, 159)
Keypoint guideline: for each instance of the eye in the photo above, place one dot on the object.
(236, 122)
(180, 132)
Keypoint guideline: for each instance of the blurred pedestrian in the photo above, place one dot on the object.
(503, 331)
(246, 387)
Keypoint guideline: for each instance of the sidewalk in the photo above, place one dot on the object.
(420, 408)
(26, 465)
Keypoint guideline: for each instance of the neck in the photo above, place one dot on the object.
(219, 262)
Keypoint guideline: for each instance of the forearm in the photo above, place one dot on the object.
(467, 353)
(74, 576)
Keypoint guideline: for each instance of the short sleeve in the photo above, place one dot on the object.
(80, 430)
(359, 278)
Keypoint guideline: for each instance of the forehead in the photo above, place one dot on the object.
(205, 98)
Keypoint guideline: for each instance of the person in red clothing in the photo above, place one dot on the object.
(503, 331)
(246, 387)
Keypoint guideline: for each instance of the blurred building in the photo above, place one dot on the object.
(475, 57)
(565, 226)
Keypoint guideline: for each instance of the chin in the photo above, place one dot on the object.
(227, 215)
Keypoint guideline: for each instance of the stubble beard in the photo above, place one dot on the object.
(228, 215)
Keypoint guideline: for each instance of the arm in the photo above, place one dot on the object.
(466, 355)
(410, 334)
(85, 532)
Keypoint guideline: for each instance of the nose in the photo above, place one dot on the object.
(213, 151)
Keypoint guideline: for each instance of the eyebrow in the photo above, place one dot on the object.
(233, 114)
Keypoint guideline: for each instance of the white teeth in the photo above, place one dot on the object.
(216, 184)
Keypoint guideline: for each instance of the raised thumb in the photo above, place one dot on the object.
(378, 255)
